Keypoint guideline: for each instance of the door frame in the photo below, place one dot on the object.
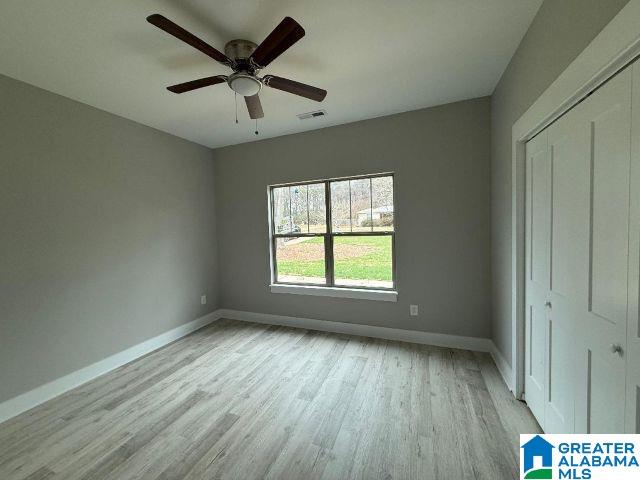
(617, 45)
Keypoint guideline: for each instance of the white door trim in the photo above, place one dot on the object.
(614, 47)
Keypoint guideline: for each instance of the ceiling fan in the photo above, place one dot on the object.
(246, 59)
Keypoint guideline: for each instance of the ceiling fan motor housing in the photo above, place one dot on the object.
(239, 49)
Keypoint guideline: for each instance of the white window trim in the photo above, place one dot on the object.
(385, 295)
(336, 292)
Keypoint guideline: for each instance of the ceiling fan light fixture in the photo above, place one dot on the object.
(244, 84)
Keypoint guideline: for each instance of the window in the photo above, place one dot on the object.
(334, 233)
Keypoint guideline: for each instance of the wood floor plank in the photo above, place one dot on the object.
(41, 474)
(141, 438)
(211, 436)
(242, 400)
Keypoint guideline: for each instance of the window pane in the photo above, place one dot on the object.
(317, 208)
(300, 260)
(281, 210)
(299, 211)
(382, 202)
(363, 261)
(340, 206)
(361, 205)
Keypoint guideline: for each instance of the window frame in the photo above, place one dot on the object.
(329, 236)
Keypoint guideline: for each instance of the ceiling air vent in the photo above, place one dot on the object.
(307, 116)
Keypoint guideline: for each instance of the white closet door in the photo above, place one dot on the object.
(538, 278)
(601, 330)
(568, 152)
(633, 328)
(583, 258)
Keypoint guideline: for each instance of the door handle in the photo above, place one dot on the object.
(616, 348)
(547, 304)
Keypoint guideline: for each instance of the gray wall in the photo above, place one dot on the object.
(441, 157)
(107, 235)
(560, 31)
(109, 232)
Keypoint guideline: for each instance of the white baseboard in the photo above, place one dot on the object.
(41, 394)
(14, 406)
(503, 367)
(412, 336)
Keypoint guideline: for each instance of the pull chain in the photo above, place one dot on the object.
(256, 132)
(235, 97)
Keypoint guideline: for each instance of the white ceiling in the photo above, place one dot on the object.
(374, 57)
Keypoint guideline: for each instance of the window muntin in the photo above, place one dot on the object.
(334, 233)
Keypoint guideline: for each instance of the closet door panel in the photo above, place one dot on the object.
(605, 393)
(610, 212)
(536, 363)
(603, 324)
(539, 212)
(569, 218)
(537, 250)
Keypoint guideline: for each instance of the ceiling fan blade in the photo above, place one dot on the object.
(254, 106)
(180, 33)
(296, 88)
(194, 84)
(282, 37)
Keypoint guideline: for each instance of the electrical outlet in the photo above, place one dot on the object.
(413, 310)
(203, 299)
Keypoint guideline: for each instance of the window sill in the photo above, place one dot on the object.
(357, 293)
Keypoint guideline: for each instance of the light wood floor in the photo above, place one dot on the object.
(245, 401)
